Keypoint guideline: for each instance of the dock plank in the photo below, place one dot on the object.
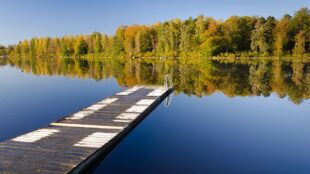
(73, 143)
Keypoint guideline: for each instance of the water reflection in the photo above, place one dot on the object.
(198, 77)
(3, 61)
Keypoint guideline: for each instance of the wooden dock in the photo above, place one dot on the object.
(74, 143)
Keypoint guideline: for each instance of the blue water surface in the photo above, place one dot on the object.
(210, 134)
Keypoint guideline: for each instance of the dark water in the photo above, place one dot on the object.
(225, 117)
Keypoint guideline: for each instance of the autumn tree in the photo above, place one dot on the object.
(80, 47)
(282, 31)
(239, 31)
(188, 39)
(214, 41)
(259, 38)
(301, 29)
(300, 43)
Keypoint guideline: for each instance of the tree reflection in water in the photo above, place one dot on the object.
(198, 77)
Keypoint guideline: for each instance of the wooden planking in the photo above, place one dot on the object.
(73, 143)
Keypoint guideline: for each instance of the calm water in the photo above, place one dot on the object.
(229, 117)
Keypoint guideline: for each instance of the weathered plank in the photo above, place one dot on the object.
(75, 142)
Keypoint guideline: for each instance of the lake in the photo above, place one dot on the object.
(228, 116)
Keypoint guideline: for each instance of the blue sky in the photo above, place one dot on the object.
(23, 19)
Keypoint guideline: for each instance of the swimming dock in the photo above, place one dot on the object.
(75, 143)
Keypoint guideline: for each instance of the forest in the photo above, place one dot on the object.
(202, 36)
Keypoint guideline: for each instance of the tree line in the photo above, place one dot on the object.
(243, 36)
